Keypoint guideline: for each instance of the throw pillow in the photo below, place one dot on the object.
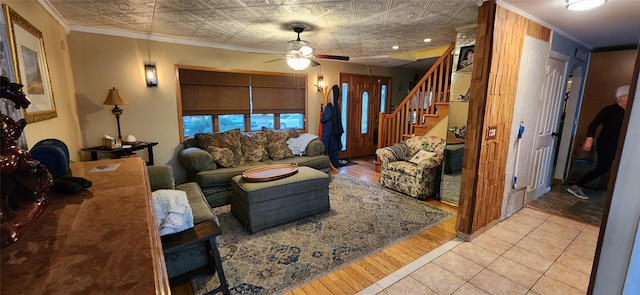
(254, 147)
(293, 133)
(400, 151)
(421, 155)
(277, 146)
(223, 156)
(228, 139)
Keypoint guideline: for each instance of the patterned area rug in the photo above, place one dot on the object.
(364, 217)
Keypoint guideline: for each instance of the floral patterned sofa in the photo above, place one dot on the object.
(413, 167)
(212, 159)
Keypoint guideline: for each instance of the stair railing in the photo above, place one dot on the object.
(419, 103)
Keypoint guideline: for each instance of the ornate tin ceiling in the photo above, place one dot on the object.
(365, 30)
(355, 28)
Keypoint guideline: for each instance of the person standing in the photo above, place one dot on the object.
(332, 130)
(610, 117)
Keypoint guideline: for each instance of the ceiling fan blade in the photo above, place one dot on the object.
(314, 63)
(277, 59)
(337, 57)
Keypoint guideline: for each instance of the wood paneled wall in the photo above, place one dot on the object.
(499, 42)
(607, 71)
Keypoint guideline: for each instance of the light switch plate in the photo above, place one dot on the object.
(491, 132)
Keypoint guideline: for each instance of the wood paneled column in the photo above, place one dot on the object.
(498, 49)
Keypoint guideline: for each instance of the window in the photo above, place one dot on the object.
(383, 99)
(228, 122)
(197, 124)
(261, 120)
(345, 102)
(364, 124)
(292, 121)
(226, 100)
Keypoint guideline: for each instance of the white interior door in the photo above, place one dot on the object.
(531, 78)
(551, 100)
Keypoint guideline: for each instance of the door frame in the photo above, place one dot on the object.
(348, 78)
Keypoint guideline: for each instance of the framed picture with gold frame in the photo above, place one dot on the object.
(30, 65)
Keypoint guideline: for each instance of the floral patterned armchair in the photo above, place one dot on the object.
(407, 170)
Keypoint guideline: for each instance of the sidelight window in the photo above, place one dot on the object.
(364, 123)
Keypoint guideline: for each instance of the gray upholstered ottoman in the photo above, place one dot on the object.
(260, 205)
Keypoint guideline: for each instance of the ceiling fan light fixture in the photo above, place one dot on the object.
(306, 50)
(584, 4)
(301, 47)
(298, 63)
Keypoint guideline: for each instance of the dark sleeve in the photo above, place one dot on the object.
(597, 121)
(327, 114)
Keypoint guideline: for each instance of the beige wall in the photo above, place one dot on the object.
(100, 62)
(84, 66)
(65, 126)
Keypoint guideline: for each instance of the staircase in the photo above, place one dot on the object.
(425, 106)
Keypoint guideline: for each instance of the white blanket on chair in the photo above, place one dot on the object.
(299, 145)
(173, 212)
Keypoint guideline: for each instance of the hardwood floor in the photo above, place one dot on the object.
(361, 274)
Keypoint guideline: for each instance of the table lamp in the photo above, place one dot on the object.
(114, 98)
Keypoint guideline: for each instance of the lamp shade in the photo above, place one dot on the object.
(114, 98)
(298, 63)
(584, 4)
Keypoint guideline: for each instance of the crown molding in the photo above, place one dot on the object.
(55, 14)
(164, 38)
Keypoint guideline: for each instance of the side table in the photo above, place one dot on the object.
(121, 152)
(202, 232)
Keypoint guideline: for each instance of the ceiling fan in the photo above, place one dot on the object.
(300, 53)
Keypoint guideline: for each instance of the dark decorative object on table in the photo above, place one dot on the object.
(25, 183)
(53, 154)
(13, 92)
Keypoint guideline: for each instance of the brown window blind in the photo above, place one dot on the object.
(220, 92)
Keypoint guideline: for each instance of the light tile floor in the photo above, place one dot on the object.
(530, 252)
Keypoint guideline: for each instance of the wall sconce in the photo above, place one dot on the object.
(584, 4)
(320, 83)
(114, 98)
(151, 75)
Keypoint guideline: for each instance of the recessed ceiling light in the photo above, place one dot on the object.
(395, 47)
(584, 4)
(427, 40)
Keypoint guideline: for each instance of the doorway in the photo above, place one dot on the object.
(363, 98)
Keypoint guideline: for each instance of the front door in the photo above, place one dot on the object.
(551, 101)
(365, 96)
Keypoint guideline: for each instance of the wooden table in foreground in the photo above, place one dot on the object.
(104, 240)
